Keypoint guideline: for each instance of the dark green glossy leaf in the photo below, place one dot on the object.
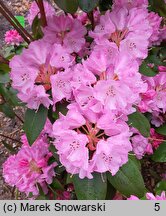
(147, 70)
(158, 6)
(9, 95)
(140, 122)
(4, 78)
(160, 154)
(7, 110)
(34, 123)
(57, 185)
(60, 108)
(161, 130)
(105, 5)
(91, 189)
(161, 186)
(128, 180)
(36, 28)
(88, 5)
(67, 6)
(4, 68)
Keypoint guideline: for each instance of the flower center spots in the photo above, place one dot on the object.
(106, 158)
(111, 91)
(24, 77)
(44, 75)
(132, 46)
(118, 36)
(74, 145)
(33, 166)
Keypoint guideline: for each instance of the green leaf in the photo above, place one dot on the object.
(160, 154)
(21, 20)
(105, 5)
(88, 5)
(67, 6)
(4, 68)
(158, 6)
(161, 186)
(161, 130)
(111, 191)
(41, 196)
(140, 122)
(7, 110)
(9, 95)
(128, 180)
(60, 108)
(91, 189)
(4, 78)
(9, 52)
(146, 70)
(57, 185)
(36, 28)
(9, 147)
(34, 123)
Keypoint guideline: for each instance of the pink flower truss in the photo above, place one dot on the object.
(29, 167)
(66, 31)
(154, 99)
(42, 72)
(12, 37)
(84, 147)
(34, 11)
(123, 28)
(150, 196)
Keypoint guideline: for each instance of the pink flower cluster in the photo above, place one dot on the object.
(154, 99)
(150, 196)
(142, 145)
(102, 89)
(12, 37)
(29, 167)
(86, 146)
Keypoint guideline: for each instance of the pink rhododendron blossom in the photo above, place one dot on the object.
(123, 28)
(66, 31)
(155, 138)
(132, 197)
(130, 3)
(34, 11)
(154, 21)
(83, 149)
(157, 119)
(29, 167)
(113, 95)
(150, 196)
(12, 37)
(162, 35)
(41, 71)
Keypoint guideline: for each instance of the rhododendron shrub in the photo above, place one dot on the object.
(92, 80)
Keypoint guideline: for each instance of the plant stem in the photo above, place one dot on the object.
(14, 22)
(7, 137)
(91, 18)
(19, 118)
(42, 12)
